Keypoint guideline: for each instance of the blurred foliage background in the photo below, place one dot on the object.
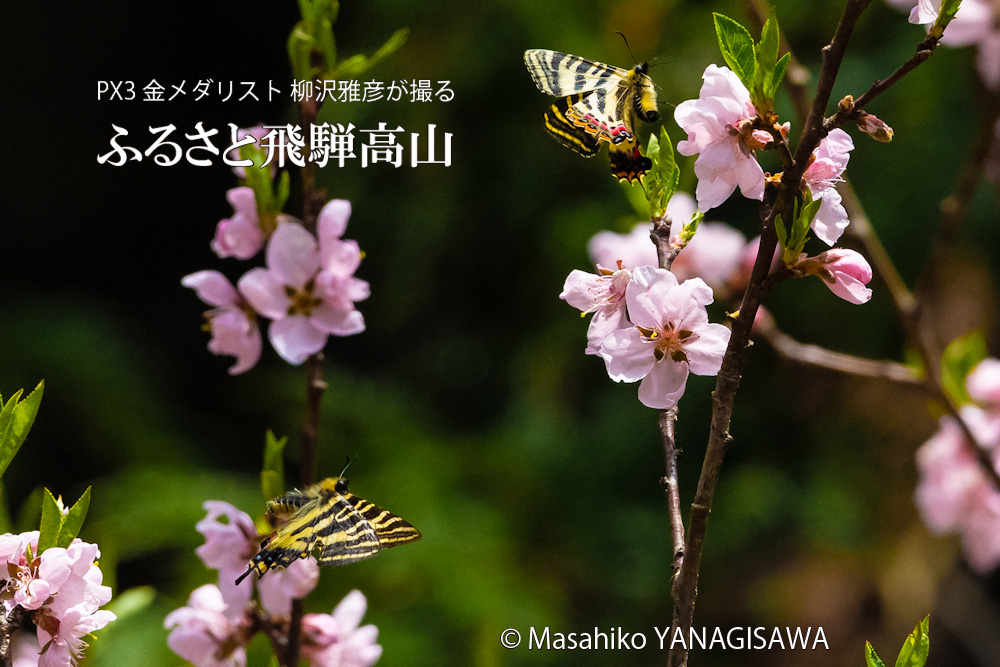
(468, 405)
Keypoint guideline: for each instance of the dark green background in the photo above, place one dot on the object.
(468, 405)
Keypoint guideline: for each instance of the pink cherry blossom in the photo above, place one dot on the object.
(228, 548)
(233, 322)
(821, 177)
(288, 292)
(239, 236)
(719, 129)
(671, 337)
(635, 248)
(335, 640)
(63, 642)
(339, 259)
(983, 383)
(845, 272)
(954, 495)
(602, 294)
(203, 634)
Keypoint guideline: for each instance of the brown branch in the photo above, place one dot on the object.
(821, 357)
(9, 623)
(666, 253)
(924, 51)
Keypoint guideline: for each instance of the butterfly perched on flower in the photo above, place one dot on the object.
(599, 103)
(330, 522)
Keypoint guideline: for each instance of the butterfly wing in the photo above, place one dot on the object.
(561, 74)
(371, 529)
(627, 163)
(567, 131)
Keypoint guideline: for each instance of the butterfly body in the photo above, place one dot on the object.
(330, 522)
(599, 103)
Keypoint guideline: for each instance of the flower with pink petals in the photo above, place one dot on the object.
(339, 259)
(954, 495)
(602, 294)
(671, 337)
(239, 236)
(203, 634)
(983, 383)
(845, 272)
(233, 322)
(280, 587)
(63, 641)
(821, 177)
(335, 640)
(288, 292)
(719, 129)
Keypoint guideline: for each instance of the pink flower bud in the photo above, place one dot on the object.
(845, 272)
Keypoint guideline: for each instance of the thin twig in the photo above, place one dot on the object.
(820, 357)
(666, 253)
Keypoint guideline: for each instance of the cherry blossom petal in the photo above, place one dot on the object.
(293, 255)
(265, 292)
(627, 355)
(664, 385)
(295, 337)
(332, 221)
(212, 287)
(279, 587)
(337, 322)
(705, 352)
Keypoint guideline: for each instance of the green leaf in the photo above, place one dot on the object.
(765, 58)
(272, 476)
(671, 173)
(959, 358)
(737, 48)
(661, 180)
(779, 227)
(48, 529)
(779, 74)
(916, 647)
(16, 419)
(871, 657)
(73, 521)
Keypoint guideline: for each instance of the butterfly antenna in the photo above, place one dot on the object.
(627, 46)
(345, 465)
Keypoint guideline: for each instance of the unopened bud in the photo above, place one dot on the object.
(874, 127)
(846, 104)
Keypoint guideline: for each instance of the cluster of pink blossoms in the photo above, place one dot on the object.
(60, 591)
(647, 326)
(719, 128)
(954, 495)
(216, 625)
(308, 289)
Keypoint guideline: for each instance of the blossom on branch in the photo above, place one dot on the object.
(306, 288)
(719, 125)
(203, 634)
(233, 322)
(61, 591)
(821, 177)
(845, 272)
(671, 337)
(602, 294)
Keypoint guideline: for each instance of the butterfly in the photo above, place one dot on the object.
(330, 522)
(599, 103)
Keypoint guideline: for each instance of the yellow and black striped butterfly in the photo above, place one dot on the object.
(330, 522)
(600, 103)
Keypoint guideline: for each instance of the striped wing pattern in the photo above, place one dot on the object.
(596, 106)
(561, 74)
(336, 525)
